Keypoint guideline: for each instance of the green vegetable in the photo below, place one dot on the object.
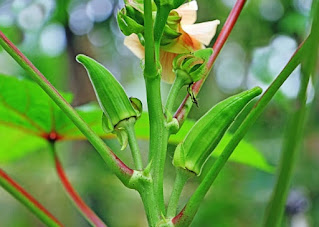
(204, 136)
(116, 106)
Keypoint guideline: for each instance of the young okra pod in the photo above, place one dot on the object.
(204, 136)
(117, 107)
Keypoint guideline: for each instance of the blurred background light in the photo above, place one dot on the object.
(31, 17)
(230, 68)
(53, 39)
(79, 21)
(271, 10)
(99, 10)
(267, 63)
(6, 15)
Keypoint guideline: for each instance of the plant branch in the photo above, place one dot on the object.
(184, 108)
(182, 177)
(25, 198)
(187, 214)
(123, 172)
(292, 143)
(73, 195)
(135, 150)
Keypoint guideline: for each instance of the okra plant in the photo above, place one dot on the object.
(175, 50)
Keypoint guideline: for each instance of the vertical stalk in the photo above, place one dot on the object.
(90, 216)
(136, 154)
(172, 95)
(26, 199)
(154, 102)
(181, 178)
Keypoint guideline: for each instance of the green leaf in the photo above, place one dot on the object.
(15, 144)
(28, 115)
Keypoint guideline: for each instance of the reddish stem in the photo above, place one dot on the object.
(89, 214)
(22, 193)
(182, 111)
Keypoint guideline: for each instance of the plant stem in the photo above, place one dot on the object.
(154, 102)
(181, 178)
(160, 22)
(185, 217)
(123, 172)
(184, 108)
(136, 154)
(172, 95)
(73, 195)
(25, 198)
(150, 204)
(275, 209)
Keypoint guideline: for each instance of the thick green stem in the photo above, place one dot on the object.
(136, 154)
(150, 204)
(26, 199)
(154, 101)
(157, 131)
(185, 217)
(181, 178)
(123, 172)
(79, 203)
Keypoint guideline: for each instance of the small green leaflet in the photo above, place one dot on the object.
(27, 114)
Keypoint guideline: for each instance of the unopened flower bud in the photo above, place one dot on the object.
(205, 135)
(192, 67)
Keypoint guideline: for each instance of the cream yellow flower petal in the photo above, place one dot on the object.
(203, 32)
(133, 43)
(188, 12)
(166, 60)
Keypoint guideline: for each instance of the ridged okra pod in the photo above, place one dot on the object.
(204, 136)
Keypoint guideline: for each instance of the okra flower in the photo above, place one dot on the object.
(192, 37)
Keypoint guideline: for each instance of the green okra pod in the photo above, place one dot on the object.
(204, 136)
(116, 106)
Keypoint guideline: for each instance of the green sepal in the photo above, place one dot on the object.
(205, 135)
(121, 135)
(137, 106)
(107, 124)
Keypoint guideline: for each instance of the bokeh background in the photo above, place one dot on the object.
(51, 33)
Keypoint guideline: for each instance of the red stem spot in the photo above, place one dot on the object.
(51, 136)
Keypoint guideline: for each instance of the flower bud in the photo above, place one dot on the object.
(192, 67)
(116, 106)
(130, 20)
(171, 29)
(205, 135)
